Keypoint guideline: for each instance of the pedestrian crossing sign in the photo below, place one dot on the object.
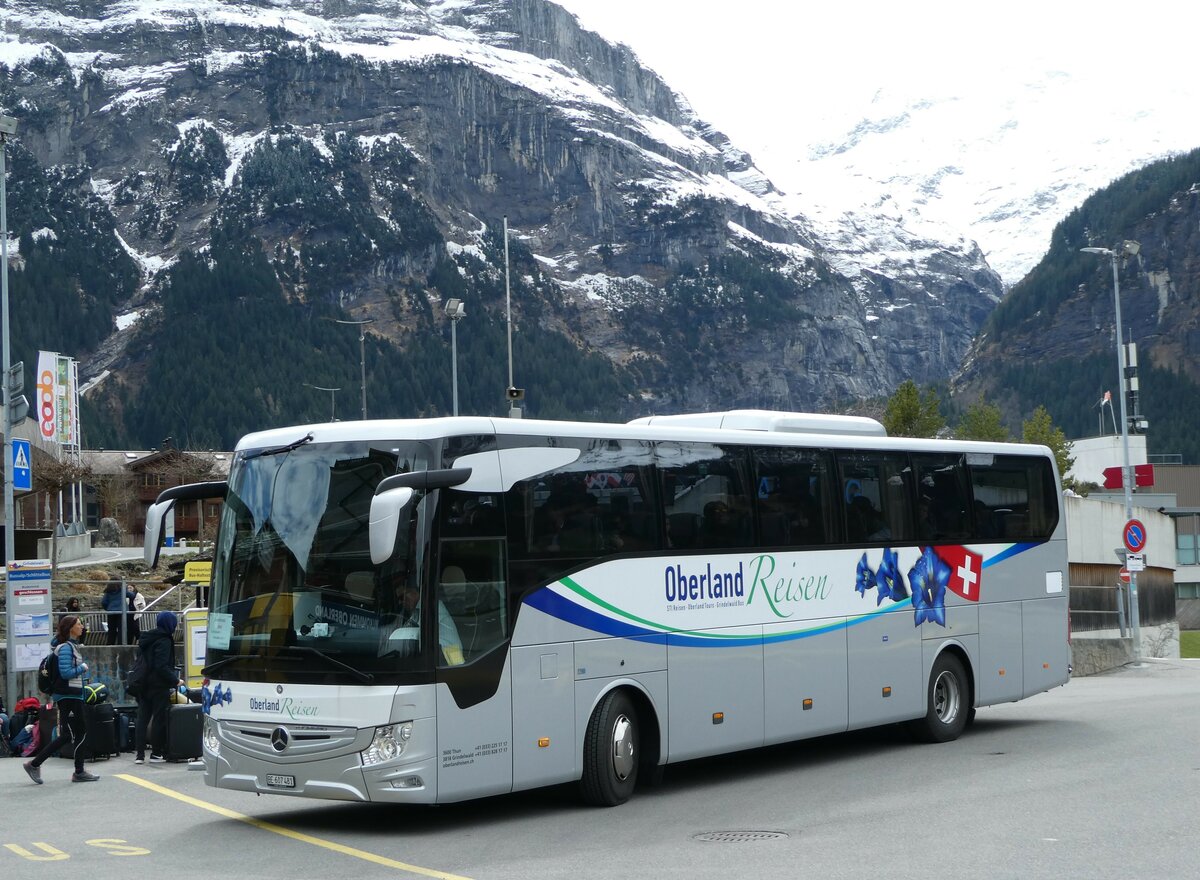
(22, 469)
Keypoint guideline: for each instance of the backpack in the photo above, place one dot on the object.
(47, 675)
(135, 682)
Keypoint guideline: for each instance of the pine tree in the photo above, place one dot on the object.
(983, 421)
(912, 413)
(1039, 429)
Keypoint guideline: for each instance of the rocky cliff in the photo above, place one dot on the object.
(367, 151)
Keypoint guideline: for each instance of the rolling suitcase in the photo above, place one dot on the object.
(185, 725)
(126, 727)
(101, 740)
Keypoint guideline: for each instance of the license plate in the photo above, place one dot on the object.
(281, 781)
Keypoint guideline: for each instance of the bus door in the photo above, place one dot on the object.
(474, 693)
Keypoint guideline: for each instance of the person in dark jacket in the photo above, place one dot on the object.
(68, 696)
(117, 601)
(158, 654)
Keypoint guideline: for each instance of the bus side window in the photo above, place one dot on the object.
(877, 496)
(1014, 498)
(471, 600)
(792, 489)
(706, 497)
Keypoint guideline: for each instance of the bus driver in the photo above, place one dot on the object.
(409, 626)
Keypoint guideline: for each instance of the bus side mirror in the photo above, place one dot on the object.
(386, 508)
(155, 517)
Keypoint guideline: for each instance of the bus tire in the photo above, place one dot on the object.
(948, 702)
(610, 752)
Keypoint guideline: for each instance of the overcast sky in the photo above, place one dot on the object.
(1038, 103)
(762, 68)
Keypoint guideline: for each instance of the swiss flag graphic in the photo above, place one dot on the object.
(966, 571)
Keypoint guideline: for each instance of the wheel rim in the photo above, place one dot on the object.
(622, 751)
(946, 701)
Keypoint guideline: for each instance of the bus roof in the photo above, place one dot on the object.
(699, 428)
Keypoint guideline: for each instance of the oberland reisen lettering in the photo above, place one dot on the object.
(778, 588)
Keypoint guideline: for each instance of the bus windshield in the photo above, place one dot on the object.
(295, 597)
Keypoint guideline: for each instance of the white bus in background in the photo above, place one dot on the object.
(433, 610)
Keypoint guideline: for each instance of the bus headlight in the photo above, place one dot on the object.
(212, 744)
(387, 744)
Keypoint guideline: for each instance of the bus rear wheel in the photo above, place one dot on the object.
(610, 752)
(948, 702)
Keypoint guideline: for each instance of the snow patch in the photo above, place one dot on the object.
(127, 320)
(150, 265)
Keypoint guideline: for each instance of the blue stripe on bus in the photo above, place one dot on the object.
(1008, 554)
(562, 608)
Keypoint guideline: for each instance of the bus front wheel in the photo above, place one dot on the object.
(610, 752)
(948, 702)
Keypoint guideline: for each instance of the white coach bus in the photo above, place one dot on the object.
(433, 610)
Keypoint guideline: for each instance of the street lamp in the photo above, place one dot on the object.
(332, 399)
(455, 311)
(1127, 249)
(362, 354)
(8, 126)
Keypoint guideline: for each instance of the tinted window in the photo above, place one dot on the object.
(794, 491)
(943, 499)
(705, 495)
(1015, 498)
(874, 490)
(597, 505)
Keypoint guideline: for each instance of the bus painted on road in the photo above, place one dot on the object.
(426, 611)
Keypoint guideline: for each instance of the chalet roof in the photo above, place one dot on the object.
(104, 461)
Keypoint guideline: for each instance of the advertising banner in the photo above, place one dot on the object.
(47, 395)
(65, 399)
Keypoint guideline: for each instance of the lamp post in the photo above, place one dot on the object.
(1127, 249)
(455, 311)
(362, 354)
(8, 126)
(332, 398)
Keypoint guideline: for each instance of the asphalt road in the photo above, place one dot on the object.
(1098, 779)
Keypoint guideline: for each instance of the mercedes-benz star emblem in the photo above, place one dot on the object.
(279, 738)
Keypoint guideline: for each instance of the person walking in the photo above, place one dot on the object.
(68, 697)
(158, 656)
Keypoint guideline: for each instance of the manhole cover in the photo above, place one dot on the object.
(739, 836)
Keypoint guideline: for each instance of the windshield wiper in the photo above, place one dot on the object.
(364, 677)
(225, 661)
(276, 450)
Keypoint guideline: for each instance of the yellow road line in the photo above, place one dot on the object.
(287, 832)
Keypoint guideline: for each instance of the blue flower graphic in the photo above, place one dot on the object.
(210, 698)
(865, 579)
(929, 578)
(889, 580)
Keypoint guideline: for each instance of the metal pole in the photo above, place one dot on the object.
(362, 365)
(454, 360)
(1126, 481)
(10, 532)
(508, 304)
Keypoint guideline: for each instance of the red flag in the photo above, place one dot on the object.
(966, 571)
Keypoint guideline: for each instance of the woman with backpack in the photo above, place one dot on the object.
(157, 649)
(67, 694)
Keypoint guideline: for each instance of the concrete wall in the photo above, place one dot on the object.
(69, 547)
(109, 664)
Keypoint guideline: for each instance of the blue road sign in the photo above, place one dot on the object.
(1135, 536)
(22, 472)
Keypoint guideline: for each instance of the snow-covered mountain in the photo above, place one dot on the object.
(1001, 164)
(362, 146)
